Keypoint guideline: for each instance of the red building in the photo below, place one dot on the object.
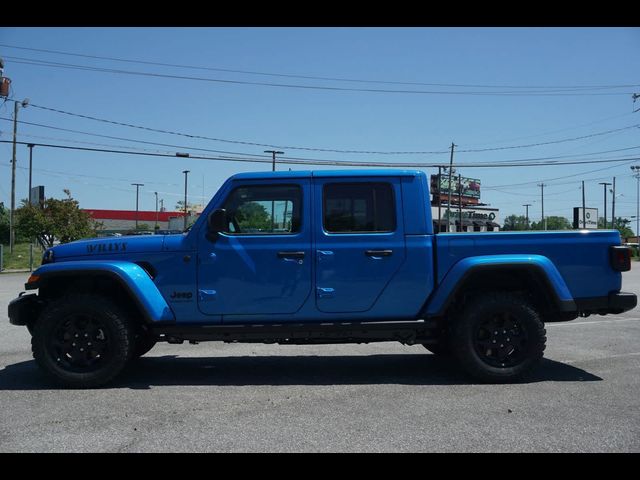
(123, 221)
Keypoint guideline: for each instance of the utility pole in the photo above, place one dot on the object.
(30, 145)
(613, 205)
(527, 205)
(636, 169)
(186, 172)
(449, 204)
(584, 223)
(162, 204)
(605, 184)
(544, 221)
(273, 153)
(155, 229)
(137, 185)
(12, 227)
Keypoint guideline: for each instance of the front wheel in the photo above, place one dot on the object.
(82, 341)
(498, 338)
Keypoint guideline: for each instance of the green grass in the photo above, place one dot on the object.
(20, 257)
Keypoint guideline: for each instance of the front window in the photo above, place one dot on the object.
(264, 210)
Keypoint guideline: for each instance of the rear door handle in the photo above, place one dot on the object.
(296, 255)
(378, 253)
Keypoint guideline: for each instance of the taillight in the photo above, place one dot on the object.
(620, 258)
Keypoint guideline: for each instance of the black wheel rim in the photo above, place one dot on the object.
(501, 341)
(80, 343)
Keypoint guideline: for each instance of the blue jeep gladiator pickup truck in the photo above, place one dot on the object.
(318, 257)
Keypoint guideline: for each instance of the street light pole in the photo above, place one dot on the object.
(137, 185)
(30, 145)
(12, 232)
(527, 205)
(186, 172)
(155, 229)
(613, 204)
(604, 185)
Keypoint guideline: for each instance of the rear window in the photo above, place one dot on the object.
(358, 207)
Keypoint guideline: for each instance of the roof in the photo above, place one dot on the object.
(142, 215)
(390, 172)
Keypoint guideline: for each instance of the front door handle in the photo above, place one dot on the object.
(378, 253)
(296, 255)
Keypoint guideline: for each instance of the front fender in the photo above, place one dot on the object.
(133, 278)
(541, 265)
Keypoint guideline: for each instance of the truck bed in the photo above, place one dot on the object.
(580, 256)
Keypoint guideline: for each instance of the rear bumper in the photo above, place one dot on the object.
(613, 303)
(24, 309)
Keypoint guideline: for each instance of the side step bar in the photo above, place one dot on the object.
(409, 332)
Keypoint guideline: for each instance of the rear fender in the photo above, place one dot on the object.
(454, 281)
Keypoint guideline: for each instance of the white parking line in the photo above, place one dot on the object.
(564, 324)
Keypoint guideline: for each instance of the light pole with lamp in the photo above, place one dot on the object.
(137, 185)
(155, 229)
(186, 172)
(12, 232)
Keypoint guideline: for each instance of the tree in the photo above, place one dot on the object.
(4, 224)
(56, 219)
(180, 206)
(553, 223)
(253, 216)
(515, 222)
(621, 224)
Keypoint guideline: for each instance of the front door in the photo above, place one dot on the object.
(261, 263)
(359, 241)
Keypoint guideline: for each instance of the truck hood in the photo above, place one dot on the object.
(109, 246)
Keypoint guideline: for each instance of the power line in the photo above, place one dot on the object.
(240, 142)
(520, 160)
(329, 163)
(128, 139)
(606, 132)
(558, 178)
(553, 93)
(309, 77)
(370, 152)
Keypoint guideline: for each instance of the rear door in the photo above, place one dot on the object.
(359, 241)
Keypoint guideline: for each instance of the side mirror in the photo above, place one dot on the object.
(218, 221)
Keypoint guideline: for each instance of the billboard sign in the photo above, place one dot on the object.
(470, 186)
(590, 218)
(36, 196)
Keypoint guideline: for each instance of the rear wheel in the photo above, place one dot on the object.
(498, 338)
(82, 341)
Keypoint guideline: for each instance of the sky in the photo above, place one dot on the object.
(501, 95)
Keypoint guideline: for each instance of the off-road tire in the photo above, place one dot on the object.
(107, 340)
(476, 338)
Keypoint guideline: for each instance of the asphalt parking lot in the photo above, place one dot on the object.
(371, 398)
